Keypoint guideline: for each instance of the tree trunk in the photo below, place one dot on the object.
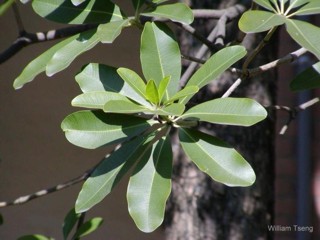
(199, 207)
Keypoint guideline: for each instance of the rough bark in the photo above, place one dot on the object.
(200, 208)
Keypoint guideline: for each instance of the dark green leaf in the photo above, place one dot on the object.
(266, 4)
(88, 227)
(308, 79)
(138, 3)
(150, 186)
(230, 111)
(214, 66)
(214, 157)
(109, 172)
(5, 6)
(38, 65)
(69, 222)
(160, 56)
(64, 56)
(176, 12)
(92, 129)
(256, 21)
(77, 2)
(91, 11)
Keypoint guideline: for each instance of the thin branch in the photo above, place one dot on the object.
(18, 18)
(193, 59)
(230, 12)
(26, 38)
(232, 88)
(293, 112)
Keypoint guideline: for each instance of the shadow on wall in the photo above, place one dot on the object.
(33, 150)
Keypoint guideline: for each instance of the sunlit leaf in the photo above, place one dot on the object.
(92, 129)
(177, 12)
(133, 80)
(121, 106)
(174, 109)
(88, 227)
(108, 173)
(214, 157)
(162, 89)
(188, 90)
(305, 34)
(259, 21)
(214, 66)
(77, 2)
(64, 56)
(69, 222)
(160, 56)
(230, 111)
(108, 32)
(150, 186)
(308, 79)
(297, 3)
(313, 7)
(38, 65)
(96, 99)
(92, 11)
(152, 92)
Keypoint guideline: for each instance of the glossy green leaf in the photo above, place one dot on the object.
(308, 79)
(108, 32)
(108, 173)
(64, 56)
(34, 237)
(63, 11)
(174, 109)
(88, 227)
(162, 89)
(38, 65)
(214, 66)
(121, 106)
(98, 77)
(160, 55)
(305, 34)
(133, 80)
(176, 12)
(96, 100)
(150, 186)
(92, 129)
(266, 4)
(188, 90)
(256, 21)
(5, 6)
(152, 92)
(230, 111)
(69, 222)
(313, 7)
(214, 157)
(77, 2)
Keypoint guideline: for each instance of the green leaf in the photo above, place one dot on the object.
(88, 227)
(77, 2)
(313, 7)
(188, 90)
(256, 21)
(5, 6)
(176, 12)
(133, 80)
(69, 222)
(266, 4)
(92, 129)
(96, 99)
(214, 66)
(230, 111)
(160, 56)
(34, 237)
(108, 32)
(152, 92)
(108, 173)
(174, 109)
(308, 79)
(214, 157)
(305, 34)
(162, 89)
(62, 11)
(64, 56)
(297, 3)
(150, 186)
(138, 3)
(98, 77)
(121, 106)
(38, 65)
